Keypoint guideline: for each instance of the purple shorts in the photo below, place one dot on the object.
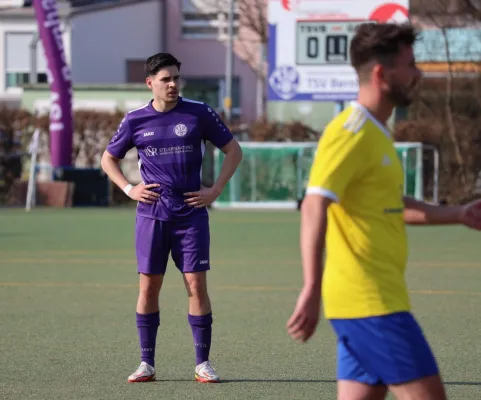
(188, 240)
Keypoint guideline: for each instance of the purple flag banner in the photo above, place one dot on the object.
(60, 81)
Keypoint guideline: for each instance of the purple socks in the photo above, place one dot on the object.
(202, 332)
(147, 325)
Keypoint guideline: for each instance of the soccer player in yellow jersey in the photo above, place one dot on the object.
(354, 205)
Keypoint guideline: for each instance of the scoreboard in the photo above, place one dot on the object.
(308, 46)
(324, 42)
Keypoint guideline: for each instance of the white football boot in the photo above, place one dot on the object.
(205, 373)
(144, 373)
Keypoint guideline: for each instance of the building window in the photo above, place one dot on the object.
(23, 52)
(212, 92)
(401, 114)
(18, 79)
(135, 71)
(81, 3)
(206, 21)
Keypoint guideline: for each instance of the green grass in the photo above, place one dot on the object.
(68, 287)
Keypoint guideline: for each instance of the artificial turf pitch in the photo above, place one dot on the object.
(68, 288)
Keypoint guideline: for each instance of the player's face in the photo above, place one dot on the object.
(401, 81)
(165, 84)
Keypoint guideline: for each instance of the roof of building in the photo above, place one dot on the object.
(65, 9)
(105, 6)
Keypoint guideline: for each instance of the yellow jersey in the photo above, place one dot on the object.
(357, 166)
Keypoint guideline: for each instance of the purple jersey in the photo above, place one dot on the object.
(171, 147)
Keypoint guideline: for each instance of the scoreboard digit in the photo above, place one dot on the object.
(337, 49)
(324, 42)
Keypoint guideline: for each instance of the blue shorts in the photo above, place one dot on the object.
(385, 350)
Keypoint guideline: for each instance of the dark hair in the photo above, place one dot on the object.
(155, 63)
(379, 43)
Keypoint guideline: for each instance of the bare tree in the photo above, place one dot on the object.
(447, 112)
(251, 32)
(251, 43)
(252, 28)
(443, 15)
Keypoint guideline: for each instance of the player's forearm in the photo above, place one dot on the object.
(313, 232)
(233, 157)
(421, 213)
(111, 166)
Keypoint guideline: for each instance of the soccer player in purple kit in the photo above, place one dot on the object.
(169, 134)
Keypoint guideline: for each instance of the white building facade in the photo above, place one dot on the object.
(22, 60)
(108, 38)
(106, 45)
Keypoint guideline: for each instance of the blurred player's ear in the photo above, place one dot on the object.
(378, 75)
(148, 81)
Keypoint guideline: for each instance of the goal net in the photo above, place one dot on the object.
(275, 174)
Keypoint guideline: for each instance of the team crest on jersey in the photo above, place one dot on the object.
(180, 130)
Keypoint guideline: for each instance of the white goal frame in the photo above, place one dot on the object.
(419, 147)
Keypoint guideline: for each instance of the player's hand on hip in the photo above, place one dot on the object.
(201, 198)
(471, 215)
(302, 324)
(142, 193)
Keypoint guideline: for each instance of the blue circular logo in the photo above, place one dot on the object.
(284, 81)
